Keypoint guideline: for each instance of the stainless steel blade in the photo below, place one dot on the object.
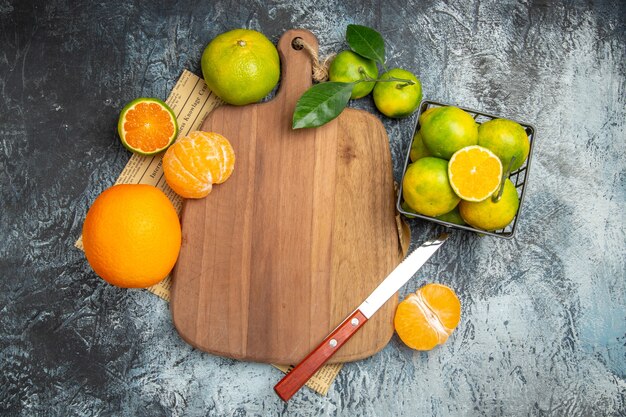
(399, 276)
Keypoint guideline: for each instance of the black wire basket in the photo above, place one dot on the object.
(519, 178)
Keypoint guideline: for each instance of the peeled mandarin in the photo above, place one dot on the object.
(194, 163)
(427, 317)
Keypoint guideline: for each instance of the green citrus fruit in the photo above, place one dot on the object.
(347, 67)
(507, 139)
(487, 215)
(418, 149)
(425, 114)
(147, 126)
(241, 66)
(406, 207)
(426, 188)
(453, 216)
(445, 130)
(397, 98)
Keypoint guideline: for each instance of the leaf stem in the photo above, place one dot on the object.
(368, 79)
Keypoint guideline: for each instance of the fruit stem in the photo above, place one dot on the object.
(497, 196)
(241, 42)
(367, 78)
(401, 86)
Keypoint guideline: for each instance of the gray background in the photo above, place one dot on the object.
(543, 330)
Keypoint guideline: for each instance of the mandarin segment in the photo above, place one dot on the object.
(194, 163)
(428, 317)
(199, 155)
(444, 302)
(228, 158)
(183, 182)
(412, 325)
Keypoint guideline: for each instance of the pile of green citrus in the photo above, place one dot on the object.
(457, 168)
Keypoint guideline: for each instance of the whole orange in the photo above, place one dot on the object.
(132, 235)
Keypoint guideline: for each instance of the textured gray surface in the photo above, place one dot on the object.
(543, 330)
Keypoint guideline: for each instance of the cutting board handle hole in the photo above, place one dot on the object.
(297, 43)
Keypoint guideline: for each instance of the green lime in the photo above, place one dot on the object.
(488, 215)
(507, 139)
(418, 149)
(445, 130)
(426, 189)
(241, 66)
(348, 67)
(397, 98)
(406, 207)
(453, 216)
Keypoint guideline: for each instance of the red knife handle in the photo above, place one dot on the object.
(298, 376)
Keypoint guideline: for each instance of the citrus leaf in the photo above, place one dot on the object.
(366, 42)
(321, 103)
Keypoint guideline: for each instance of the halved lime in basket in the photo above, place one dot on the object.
(147, 126)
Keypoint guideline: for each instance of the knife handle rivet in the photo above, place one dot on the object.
(332, 343)
(354, 322)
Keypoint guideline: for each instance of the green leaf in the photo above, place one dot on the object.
(366, 42)
(321, 103)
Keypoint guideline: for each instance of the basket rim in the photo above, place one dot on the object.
(501, 233)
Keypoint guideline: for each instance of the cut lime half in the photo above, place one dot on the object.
(147, 126)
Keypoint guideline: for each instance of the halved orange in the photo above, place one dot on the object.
(428, 317)
(147, 126)
(474, 173)
(197, 161)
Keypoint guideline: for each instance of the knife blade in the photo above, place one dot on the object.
(298, 376)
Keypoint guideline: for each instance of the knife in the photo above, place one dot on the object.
(298, 376)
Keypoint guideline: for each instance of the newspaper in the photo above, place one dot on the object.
(191, 101)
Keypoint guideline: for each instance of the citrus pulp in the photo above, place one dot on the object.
(474, 172)
(147, 126)
(427, 317)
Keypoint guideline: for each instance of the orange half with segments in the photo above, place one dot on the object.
(475, 173)
(147, 126)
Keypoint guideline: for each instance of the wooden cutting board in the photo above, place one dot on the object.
(277, 256)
